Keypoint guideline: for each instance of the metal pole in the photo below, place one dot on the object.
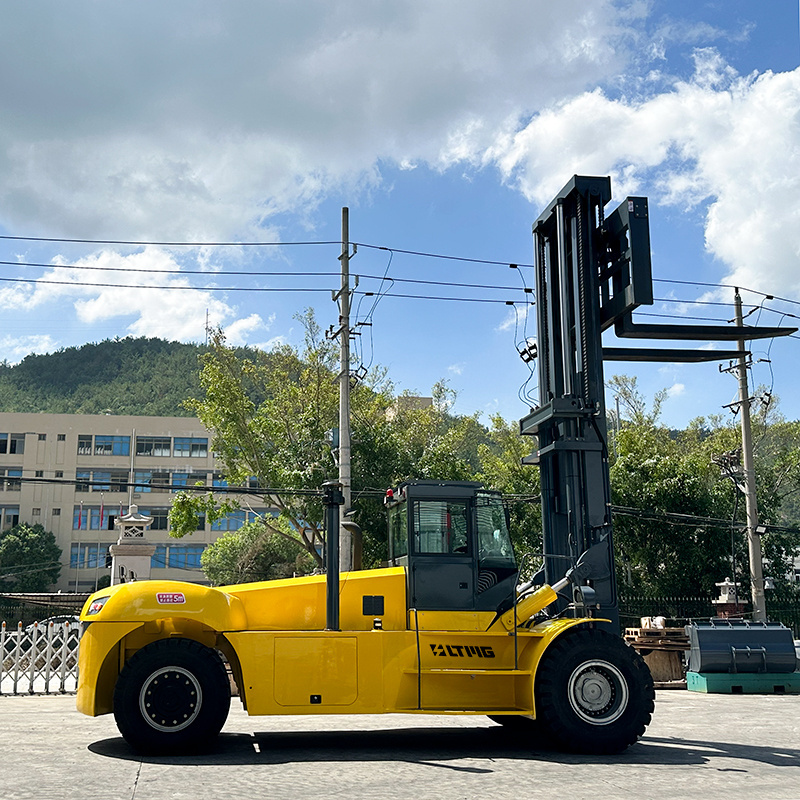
(332, 499)
(753, 538)
(345, 554)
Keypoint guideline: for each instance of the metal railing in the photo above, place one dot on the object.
(39, 659)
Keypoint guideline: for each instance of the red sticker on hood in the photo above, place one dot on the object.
(170, 598)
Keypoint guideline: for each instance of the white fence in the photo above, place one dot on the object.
(39, 659)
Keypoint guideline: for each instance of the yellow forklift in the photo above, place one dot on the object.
(444, 630)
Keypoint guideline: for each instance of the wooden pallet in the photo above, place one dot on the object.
(657, 638)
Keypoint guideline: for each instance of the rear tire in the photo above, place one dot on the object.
(594, 693)
(173, 695)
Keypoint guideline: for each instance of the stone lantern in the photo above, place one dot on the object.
(131, 555)
(729, 603)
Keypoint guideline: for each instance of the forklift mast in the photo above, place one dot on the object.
(571, 249)
(592, 272)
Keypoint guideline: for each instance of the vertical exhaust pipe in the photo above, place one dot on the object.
(332, 498)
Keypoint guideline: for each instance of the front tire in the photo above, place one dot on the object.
(594, 693)
(172, 695)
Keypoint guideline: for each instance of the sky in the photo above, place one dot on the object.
(445, 127)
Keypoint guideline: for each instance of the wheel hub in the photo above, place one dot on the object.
(598, 692)
(170, 699)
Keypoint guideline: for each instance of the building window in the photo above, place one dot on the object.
(84, 445)
(177, 556)
(181, 479)
(82, 478)
(12, 443)
(39, 473)
(42, 437)
(101, 481)
(89, 556)
(36, 512)
(62, 437)
(142, 480)
(10, 485)
(119, 480)
(10, 517)
(153, 445)
(92, 518)
(159, 559)
(190, 447)
(230, 522)
(160, 481)
(59, 473)
(185, 556)
(56, 512)
(112, 445)
(160, 518)
(218, 479)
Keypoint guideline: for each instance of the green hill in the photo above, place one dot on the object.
(125, 376)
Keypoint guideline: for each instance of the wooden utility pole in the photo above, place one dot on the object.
(753, 537)
(343, 296)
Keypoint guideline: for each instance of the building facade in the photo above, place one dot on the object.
(75, 474)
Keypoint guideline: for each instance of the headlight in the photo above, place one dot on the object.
(97, 606)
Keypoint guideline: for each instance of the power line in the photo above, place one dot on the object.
(146, 243)
(418, 253)
(443, 256)
(262, 289)
(252, 273)
(151, 243)
(171, 287)
(454, 299)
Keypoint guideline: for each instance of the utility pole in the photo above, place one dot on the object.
(343, 296)
(753, 537)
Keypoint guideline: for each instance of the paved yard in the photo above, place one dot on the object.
(698, 746)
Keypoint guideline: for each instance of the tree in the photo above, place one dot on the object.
(657, 476)
(272, 416)
(658, 471)
(253, 553)
(30, 559)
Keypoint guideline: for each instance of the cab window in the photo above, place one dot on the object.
(494, 542)
(398, 530)
(440, 526)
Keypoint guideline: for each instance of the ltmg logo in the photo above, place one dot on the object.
(462, 650)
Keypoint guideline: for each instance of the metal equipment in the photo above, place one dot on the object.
(740, 646)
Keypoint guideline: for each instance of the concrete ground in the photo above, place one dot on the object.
(698, 746)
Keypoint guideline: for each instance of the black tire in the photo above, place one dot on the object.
(173, 695)
(594, 693)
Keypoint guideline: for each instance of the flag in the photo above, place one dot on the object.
(80, 516)
(102, 509)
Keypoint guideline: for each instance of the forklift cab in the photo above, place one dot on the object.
(453, 540)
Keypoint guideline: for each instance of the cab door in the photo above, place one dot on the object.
(441, 561)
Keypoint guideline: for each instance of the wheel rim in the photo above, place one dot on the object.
(598, 692)
(170, 699)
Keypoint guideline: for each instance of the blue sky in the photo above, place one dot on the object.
(445, 127)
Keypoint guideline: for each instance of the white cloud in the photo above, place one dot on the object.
(728, 141)
(237, 332)
(516, 318)
(145, 287)
(456, 369)
(201, 120)
(15, 348)
(676, 390)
